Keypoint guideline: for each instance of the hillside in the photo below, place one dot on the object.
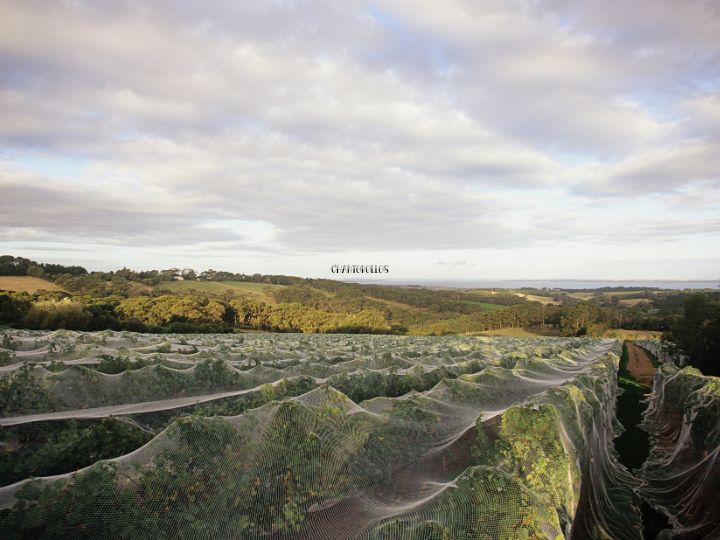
(27, 284)
(257, 291)
(183, 300)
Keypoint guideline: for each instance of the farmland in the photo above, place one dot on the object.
(27, 284)
(209, 301)
(258, 291)
(321, 436)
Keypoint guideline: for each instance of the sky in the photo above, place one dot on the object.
(460, 139)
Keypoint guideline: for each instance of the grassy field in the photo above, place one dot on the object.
(625, 293)
(632, 334)
(391, 303)
(583, 296)
(488, 307)
(398, 305)
(530, 297)
(632, 301)
(240, 288)
(517, 332)
(544, 300)
(27, 284)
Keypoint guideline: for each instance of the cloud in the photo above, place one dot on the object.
(312, 128)
(455, 263)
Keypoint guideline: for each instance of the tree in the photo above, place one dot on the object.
(14, 266)
(189, 273)
(36, 271)
(584, 319)
(13, 307)
(54, 314)
(696, 333)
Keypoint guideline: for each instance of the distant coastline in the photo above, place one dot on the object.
(548, 283)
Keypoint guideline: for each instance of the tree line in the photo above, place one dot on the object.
(136, 300)
(179, 314)
(695, 332)
(205, 313)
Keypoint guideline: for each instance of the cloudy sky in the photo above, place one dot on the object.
(448, 139)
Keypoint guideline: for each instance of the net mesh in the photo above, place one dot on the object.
(122, 435)
(682, 474)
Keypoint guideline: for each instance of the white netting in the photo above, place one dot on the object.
(682, 474)
(301, 436)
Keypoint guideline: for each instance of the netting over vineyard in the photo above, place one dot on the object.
(121, 435)
(682, 474)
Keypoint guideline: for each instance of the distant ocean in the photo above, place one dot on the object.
(545, 283)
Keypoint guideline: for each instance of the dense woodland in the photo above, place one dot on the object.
(140, 301)
(696, 334)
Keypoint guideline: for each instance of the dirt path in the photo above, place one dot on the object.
(633, 445)
(639, 364)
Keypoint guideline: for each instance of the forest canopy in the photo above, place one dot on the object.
(185, 300)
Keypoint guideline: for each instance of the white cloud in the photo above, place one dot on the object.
(280, 128)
